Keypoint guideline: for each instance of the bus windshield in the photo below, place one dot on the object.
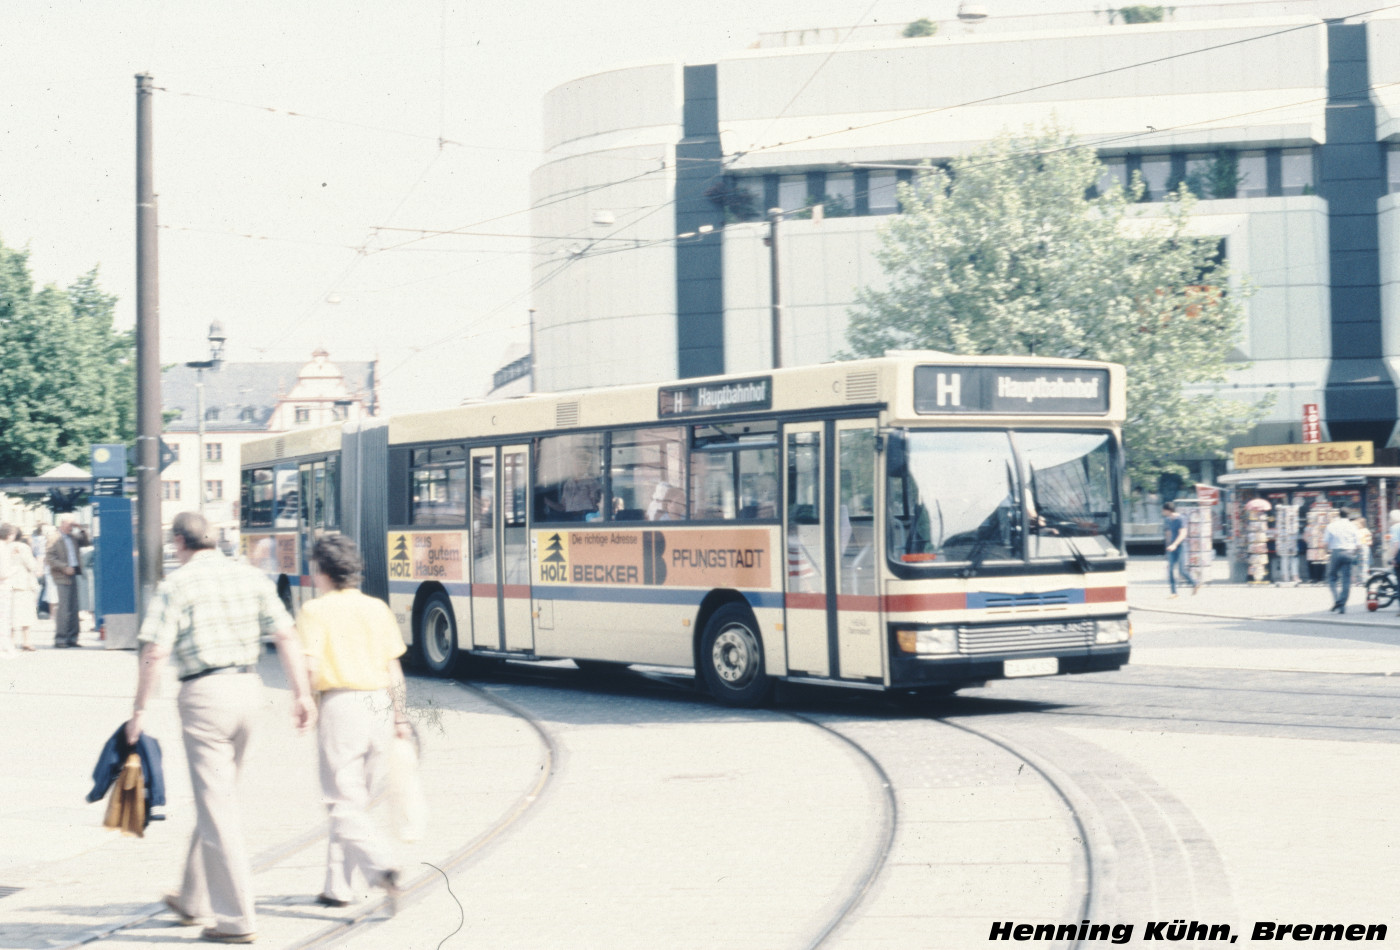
(969, 497)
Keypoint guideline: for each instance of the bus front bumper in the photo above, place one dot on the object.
(912, 672)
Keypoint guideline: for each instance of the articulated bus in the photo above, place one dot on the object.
(290, 492)
(918, 522)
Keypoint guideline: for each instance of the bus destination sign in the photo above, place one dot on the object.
(740, 395)
(1010, 389)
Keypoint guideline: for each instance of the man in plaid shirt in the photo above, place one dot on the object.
(211, 615)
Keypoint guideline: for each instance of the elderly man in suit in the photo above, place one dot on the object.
(65, 566)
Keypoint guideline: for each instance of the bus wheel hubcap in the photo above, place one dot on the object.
(735, 656)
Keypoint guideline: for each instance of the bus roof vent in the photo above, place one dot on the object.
(862, 387)
(566, 413)
(279, 449)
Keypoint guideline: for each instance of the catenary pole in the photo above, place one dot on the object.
(147, 357)
(775, 215)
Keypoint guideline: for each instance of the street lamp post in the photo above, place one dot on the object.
(775, 215)
(216, 355)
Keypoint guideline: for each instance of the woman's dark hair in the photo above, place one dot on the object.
(338, 558)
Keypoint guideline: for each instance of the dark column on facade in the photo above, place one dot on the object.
(1360, 393)
(699, 262)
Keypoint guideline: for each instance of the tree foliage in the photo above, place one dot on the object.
(1006, 253)
(67, 376)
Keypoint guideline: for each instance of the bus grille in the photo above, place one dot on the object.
(566, 414)
(1023, 638)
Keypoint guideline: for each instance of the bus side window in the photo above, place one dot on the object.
(568, 477)
(645, 468)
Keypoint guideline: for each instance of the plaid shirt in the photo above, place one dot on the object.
(212, 612)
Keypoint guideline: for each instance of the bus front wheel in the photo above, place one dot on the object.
(731, 658)
(437, 635)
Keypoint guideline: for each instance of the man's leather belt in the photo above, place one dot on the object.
(214, 670)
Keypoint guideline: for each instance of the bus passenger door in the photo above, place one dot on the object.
(486, 624)
(805, 585)
(515, 549)
(859, 641)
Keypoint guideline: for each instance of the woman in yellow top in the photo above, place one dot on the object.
(353, 645)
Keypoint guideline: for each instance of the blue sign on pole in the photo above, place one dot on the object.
(113, 562)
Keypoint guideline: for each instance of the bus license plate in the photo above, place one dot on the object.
(1035, 666)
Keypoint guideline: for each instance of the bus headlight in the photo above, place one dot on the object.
(1116, 630)
(926, 640)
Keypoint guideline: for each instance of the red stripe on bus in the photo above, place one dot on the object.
(1104, 595)
(911, 603)
(519, 591)
(806, 601)
(861, 603)
(484, 590)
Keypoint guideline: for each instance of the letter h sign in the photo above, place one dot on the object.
(949, 389)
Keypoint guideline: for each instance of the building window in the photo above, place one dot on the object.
(170, 491)
(1253, 174)
(1115, 174)
(303, 415)
(247, 414)
(211, 415)
(174, 448)
(1296, 165)
(213, 451)
(840, 199)
(214, 490)
(792, 192)
(1156, 176)
(882, 196)
(1211, 174)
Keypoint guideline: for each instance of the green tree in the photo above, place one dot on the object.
(1142, 13)
(67, 377)
(1011, 252)
(921, 27)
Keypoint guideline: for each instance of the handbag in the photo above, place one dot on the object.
(408, 807)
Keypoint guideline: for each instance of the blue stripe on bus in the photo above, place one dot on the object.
(610, 595)
(991, 600)
(411, 587)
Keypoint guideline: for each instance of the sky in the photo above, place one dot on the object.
(301, 144)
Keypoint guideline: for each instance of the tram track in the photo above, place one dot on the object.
(369, 915)
(366, 915)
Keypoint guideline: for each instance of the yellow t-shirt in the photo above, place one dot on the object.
(350, 638)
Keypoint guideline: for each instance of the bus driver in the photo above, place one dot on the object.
(580, 494)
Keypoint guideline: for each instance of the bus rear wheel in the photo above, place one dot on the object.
(731, 658)
(437, 635)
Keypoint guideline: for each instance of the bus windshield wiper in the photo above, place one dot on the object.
(1080, 560)
(975, 557)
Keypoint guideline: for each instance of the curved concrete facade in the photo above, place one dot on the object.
(1306, 109)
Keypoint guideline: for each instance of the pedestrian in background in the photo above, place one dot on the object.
(1392, 541)
(211, 615)
(1341, 541)
(24, 584)
(1174, 532)
(352, 645)
(65, 566)
(1364, 540)
(7, 568)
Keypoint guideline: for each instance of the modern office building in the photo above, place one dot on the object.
(657, 177)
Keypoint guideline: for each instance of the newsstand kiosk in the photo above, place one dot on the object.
(1275, 518)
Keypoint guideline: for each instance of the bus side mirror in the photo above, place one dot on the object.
(896, 454)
